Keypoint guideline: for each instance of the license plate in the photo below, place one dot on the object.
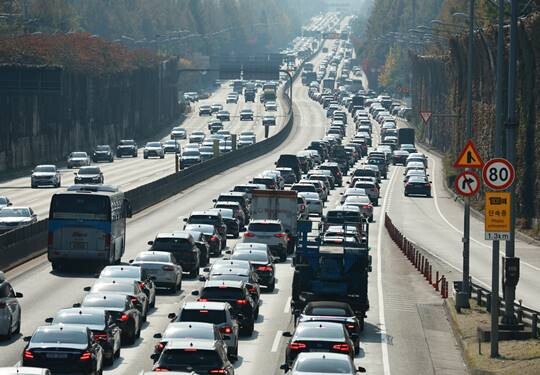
(79, 245)
(57, 355)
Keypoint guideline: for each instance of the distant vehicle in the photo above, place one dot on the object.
(46, 174)
(322, 363)
(269, 121)
(89, 175)
(87, 223)
(103, 153)
(215, 125)
(191, 96)
(245, 140)
(197, 137)
(223, 115)
(15, 217)
(78, 159)
(270, 232)
(162, 266)
(417, 185)
(246, 115)
(171, 146)
(49, 346)
(232, 98)
(182, 246)
(205, 110)
(178, 133)
(216, 107)
(10, 309)
(270, 106)
(189, 158)
(4, 201)
(154, 149)
(126, 147)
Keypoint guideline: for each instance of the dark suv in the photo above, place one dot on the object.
(210, 234)
(290, 161)
(336, 171)
(381, 164)
(243, 307)
(236, 196)
(213, 218)
(126, 147)
(182, 246)
(103, 153)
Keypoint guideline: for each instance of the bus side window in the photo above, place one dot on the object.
(127, 208)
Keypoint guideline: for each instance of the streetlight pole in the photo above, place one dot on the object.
(462, 298)
(509, 318)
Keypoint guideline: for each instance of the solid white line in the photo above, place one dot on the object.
(277, 340)
(287, 308)
(382, 324)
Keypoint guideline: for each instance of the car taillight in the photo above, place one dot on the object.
(297, 346)
(241, 302)
(302, 207)
(341, 347)
(107, 241)
(50, 238)
(86, 356)
(225, 330)
(428, 185)
(217, 371)
(351, 326)
(134, 300)
(249, 234)
(280, 235)
(124, 318)
(367, 206)
(101, 336)
(203, 300)
(167, 268)
(264, 268)
(28, 354)
(159, 347)
(161, 369)
(2, 305)
(142, 285)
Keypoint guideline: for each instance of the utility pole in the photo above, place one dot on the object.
(497, 151)
(462, 298)
(509, 318)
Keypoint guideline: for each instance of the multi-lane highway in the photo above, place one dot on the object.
(406, 328)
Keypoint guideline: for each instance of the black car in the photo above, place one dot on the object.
(290, 161)
(204, 247)
(248, 276)
(418, 185)
(202, 356)
(182, 246)
(246, 115)
(332, 311)
(104, 328)
(122, 310)
(63, 348)
(381, 164)
(243, 307)
(213, 218)
(89, 175)
(126, 147)
(211, 235)
(232, 222)
(318, 336)
(262, 264)
(103, 153)
(336, 171)
(288, 175)
(236, 196)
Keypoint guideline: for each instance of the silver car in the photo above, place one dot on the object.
(313, 202)
(350, 192)
(15, 217)
(154, 149)
(162, 267)
(217, 313)
(26, 371)
(78, 159)
(363, 203)
(132, 273)
(10, 310)
(178, 133)
(269, 232)
(322, 363)
(46, 174)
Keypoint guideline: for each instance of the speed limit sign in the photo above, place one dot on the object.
(498, 174)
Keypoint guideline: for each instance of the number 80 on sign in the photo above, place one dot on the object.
(498, 174)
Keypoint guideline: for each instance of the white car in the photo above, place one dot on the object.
(270, 232)
(45, 175)
(162, 267)
(349, 192)
(25, 371)
(78, 159)
(10, 310)
(154, 149)
(15, 217)
(270, 106)
(178, 133)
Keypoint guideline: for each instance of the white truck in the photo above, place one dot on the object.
(277, 205)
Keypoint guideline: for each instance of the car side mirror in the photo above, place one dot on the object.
(202, 278)
(195, 293)
(284, 367)
(150, 243)
(154, 356)
(76, 305)
(185, 220)
(214, 200)
(206, 269)
(49, 320)
(27, 338)
(75, 173)
(130, 261)
(361, 369)
(171, 316)
(158, 335)
(19, 295)
(87, 288)
(286, 334)
(10, 204)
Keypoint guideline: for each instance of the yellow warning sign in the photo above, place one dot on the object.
(497, 214)
(469, 157)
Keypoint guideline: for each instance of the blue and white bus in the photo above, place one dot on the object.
(87, 223)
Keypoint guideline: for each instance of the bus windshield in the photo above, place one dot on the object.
(80, 206)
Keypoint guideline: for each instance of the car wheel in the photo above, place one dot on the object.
(56, 266)
(370, 219)
(109, 361)
(33, 186)
(153, 303)
(117, 353)
(248, 329)
(194, 273)
(162, 156)
(256, 313)
(406, 194)
(283, 256)
(145, 157)
(376, 202)
(271, 286)
(236, 235)
(233, 354)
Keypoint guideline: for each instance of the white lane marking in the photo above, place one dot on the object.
(382, 324)
(436, 201)
(276, 342)
(287, 308)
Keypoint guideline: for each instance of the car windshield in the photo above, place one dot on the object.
(54, 336)
(91, 170)
(417, 179)
(102, 148)
(171, 143)
(178, 130)
(324, 365)
(310, 195)
(222, 292)
(228, 276)
(78, 154)
(256, 256)
(45, 168)
(113, 287)
(171, 244)
(190, 358)
(265, 227)
(340, 217)
(357, 199)
(82, 318)
(127, 143)
(203, 219)
(207, 149)
(14, 212)
(123, 272)
(153, 144)
(189, 332)
(327, 311)
(104, 301)
(207, 229)
(191, 153)
(318, 331)
(203, 315)
(153, 257)
(226, 213)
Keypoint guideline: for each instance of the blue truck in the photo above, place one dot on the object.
(331, 272)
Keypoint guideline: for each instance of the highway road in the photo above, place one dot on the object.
(128, 173)
(406, 328)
